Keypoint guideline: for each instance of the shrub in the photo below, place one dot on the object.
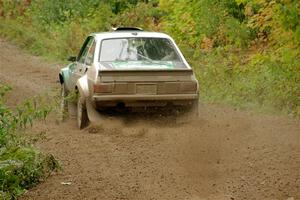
(146, 16)
(191, 22)
(21, 165)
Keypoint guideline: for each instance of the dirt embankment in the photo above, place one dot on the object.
(223, 154)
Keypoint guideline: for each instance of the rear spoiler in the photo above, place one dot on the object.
(145, 70)
(146, 75)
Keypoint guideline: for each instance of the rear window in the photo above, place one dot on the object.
(138, 49)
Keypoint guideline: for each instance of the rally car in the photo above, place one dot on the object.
(129, 68)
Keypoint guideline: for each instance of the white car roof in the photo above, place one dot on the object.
(120, 34)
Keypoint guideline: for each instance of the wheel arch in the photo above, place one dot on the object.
(82, 88)
(64, 75)
(61, 78)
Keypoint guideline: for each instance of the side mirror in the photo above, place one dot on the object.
(72, 58)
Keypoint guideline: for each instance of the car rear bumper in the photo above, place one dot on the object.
(145, 97)
(139, 100)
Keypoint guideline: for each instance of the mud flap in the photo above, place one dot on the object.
(97, 119)
(94, 116)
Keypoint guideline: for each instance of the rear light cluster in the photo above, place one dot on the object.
(188, 87)
(103, 88)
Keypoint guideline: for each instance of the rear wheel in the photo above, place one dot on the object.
(82, 116)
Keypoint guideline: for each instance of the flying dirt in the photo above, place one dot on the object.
(222, 154)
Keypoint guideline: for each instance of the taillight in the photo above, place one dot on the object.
(103, 88)
(188, 87)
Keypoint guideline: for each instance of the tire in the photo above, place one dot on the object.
(63, 102)
(82, 116)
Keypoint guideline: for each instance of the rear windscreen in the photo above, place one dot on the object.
(138, 49)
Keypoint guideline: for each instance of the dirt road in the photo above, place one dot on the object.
(223, 154)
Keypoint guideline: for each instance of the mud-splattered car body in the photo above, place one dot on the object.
(132, 69)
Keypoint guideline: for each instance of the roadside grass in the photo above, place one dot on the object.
(260, 81)
(32, 40)
(22, 165)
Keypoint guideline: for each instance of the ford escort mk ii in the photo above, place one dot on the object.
(129, 68)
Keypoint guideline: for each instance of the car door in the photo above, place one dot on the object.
(80, 67)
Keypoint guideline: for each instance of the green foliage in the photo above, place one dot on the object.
(290, 14)
(192, 22)
(265, 81)
(22, 168)
(119, 6)
(290, 18)
(59, 12)
(66, 23)
(146, 16)
(21, 165)
(10, 9)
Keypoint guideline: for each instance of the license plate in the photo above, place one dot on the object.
(146, 89)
